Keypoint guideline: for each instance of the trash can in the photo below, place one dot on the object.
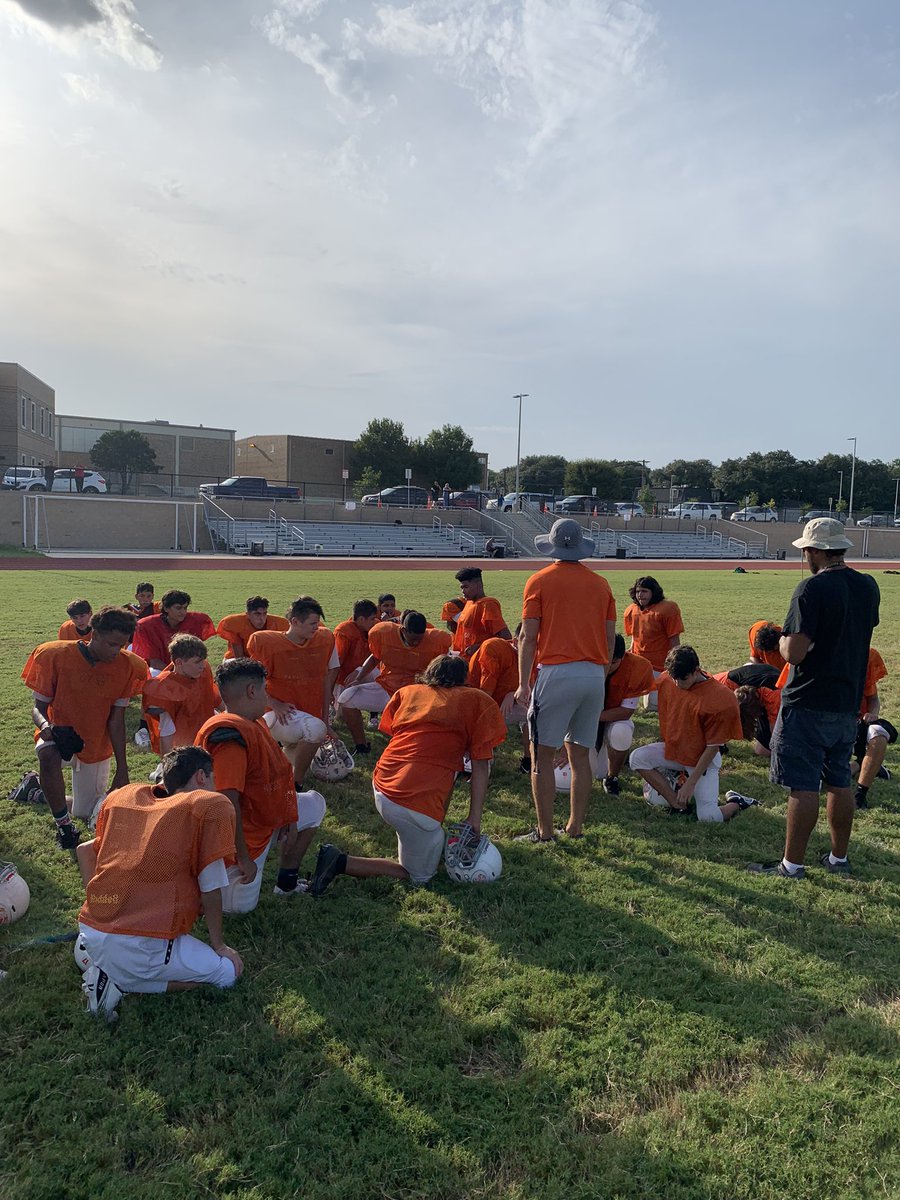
(621, 552)
(781, 555)
(257, 549)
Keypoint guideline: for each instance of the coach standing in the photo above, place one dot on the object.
(568, 629)
(825, 640)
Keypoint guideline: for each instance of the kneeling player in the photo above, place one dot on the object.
(156, 862)
(874, 733)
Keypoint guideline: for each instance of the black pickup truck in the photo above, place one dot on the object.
(249, 487)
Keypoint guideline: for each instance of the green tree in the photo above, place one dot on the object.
(585, 474)
(369, 481)
(541, 473)
(696, 473)
(384, 448)
(446, 455)
(126, 453)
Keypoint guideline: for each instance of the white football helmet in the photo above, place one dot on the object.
(471, 857)
(333, 761)
(14, 894)
(82, 959)
(299, 727)
(563, 775)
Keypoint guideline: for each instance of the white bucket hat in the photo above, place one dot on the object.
(824, 533)
(566, 541)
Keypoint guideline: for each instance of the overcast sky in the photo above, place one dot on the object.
(674, 224)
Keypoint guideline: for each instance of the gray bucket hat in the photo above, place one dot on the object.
(823, 533)
(566, 541)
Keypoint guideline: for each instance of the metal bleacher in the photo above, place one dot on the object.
(650, 544)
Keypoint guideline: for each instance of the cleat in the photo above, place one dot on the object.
(328, 865)
(525, 765)
(67, 836)
(533, 837)
(883, 773)
(744, 802)
(778, 869)
(841, 868)
(102, 994)
(27, 790)
(300, 890)
(611, 785)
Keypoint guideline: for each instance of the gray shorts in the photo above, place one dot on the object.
(566, 704)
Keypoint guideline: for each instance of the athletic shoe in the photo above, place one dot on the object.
(102, 994)
(534, 838)
(142, 738)
(742, 801)
(27, 790)
(883, 773)
(362, 748)
(156, 774)
(82, 959)
(67, 836)
(611, 785)
(841, 868)
(778, 869)
(327, 867)
(300, 890)
(525, 765)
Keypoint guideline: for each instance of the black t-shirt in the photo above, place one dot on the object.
(754, 675)
(836, 609)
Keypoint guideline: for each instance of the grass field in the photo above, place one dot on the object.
(628, 1016)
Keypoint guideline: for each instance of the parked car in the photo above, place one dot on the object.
(822, 512)
(468, 499)
(64, 481)
(16, 478)
(525, 500)
(696, 510)
(399, 497)
(249, 487)
(577, 504)
(754, 512)
(876, 519)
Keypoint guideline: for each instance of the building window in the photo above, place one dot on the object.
(24, 412)
(187, 443)
(33, 418)
(24, 460)
(329, 450)
(43, 419)
(49, 423)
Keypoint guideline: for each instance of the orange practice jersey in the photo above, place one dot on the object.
(494, 668)
(189, 702)
(82, 692)
(352, 647)
(632, 678)
(875, 670)
(651, 628)
(151, 849)
(400, 664)
(573, 604)
(237, 631)
(479, 619)
(772, 657)
(69, 633)
(430, 731)
(690, 720)
(295, 674)
(247, 759)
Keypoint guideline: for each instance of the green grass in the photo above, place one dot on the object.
(628, 1016)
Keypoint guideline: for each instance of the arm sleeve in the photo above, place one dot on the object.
(40, 674)
(335, 660)
(207, 628)
(216, 836)
(674, 623)
(493, 617)
(386, 724)
(531, 600)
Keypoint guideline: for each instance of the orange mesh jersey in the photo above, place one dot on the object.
(494, 668)
(573, 604)
(772, 657)
(237, 631)
(651, 628)
(400, 664)
(430, 731)
(479, 619)
(875, 670)
(295, 674)
(153, 634)
(189, 702)
(69, 633)
(82, 692)
(247, 759)
(691, 719)
(633, 678)
(151, 849)
(352, 647)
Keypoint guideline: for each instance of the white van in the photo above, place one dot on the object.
(696, 510)
(20, 477)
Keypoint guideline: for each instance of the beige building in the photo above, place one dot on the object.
(187, 455)
(289, 458)
(27, 417)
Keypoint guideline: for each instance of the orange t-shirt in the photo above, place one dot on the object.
(151, 848)
(430, 730)
(705, 715)
(236, 628)
(352, 647)
(494, 668)
(573, 604)
(632, 678)
(875, 670)
(82, 692)
(772, 657)
(479, 619)
(399, 664)
(69, 633)
(651, 628)
(189, 702)
(294, 674)
(247, 759)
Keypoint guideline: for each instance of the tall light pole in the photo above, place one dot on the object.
(896, 496)
(520, 396)
(840, 487)
(852, 478)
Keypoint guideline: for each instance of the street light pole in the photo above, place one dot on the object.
(840, 487)
(852, 478)
(896, 496)
(520, 396)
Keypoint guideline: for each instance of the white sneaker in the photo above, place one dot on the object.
(102, 994)
(142, 738)
(156, 774)
(743, 801)
(300, 890)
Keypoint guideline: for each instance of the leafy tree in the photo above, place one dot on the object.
(446, 455)
(646, 499)
(587, 473)
(541, 473)
(384, 448)
(697, 473)
(124, 452)
(369, 481)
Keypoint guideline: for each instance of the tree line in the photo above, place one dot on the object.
(383, 453)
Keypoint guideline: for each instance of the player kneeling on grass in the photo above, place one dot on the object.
(250, 769)
(156, 863)
(697, 715)
(181, 697)
(432, 724)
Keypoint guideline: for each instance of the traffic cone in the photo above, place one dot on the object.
(379, 499)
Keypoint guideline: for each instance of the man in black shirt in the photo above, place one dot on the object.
(825, 639)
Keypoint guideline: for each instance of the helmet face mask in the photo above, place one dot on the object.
(14, 894)
(470, 857)
(333, 761)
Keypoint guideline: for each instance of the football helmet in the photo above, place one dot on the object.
(299, 727)
(563, 775)
(471, 857)
(14, 894)
(333, 761)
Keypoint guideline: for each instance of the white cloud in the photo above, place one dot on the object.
(341, 70)
(109, 24)
(87, 89)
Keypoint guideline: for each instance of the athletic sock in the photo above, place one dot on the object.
(340, 865)
(834, 861)
(792, 867)
(287, 879)
(62, 818)
(860, 792)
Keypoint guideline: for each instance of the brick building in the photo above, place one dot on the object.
(289, 458)
(27, 418)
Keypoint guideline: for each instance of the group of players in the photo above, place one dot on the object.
(236, 745)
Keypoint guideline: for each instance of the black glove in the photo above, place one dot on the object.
(67, 741)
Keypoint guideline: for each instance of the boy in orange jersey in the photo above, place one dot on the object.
(432, 724)
(398, 653)
(697, 716)
(143, 604)
(153, 634)
(78, 626)
(301, 667)
(250, 769)
(764, 638)
(351, 638)
(481, 617)
(156, 861)
(238, 628)
(873, 733)
(387, 608)
(81, 691)
(181, 697)
(654, 625)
